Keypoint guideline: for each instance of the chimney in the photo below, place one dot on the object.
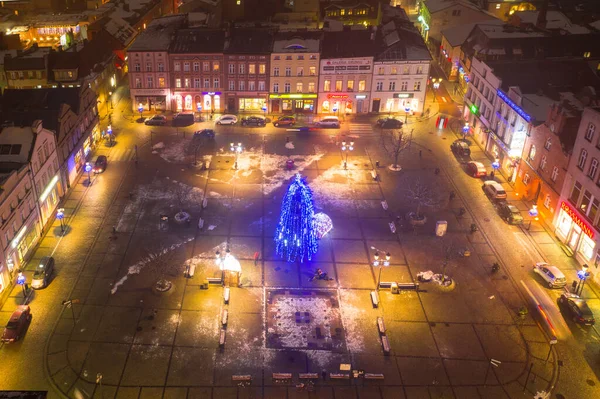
(541, 19)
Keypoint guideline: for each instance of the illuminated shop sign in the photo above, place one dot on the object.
(338, 96)
(514, 106)
(577, 220)
(19, 236)
(293, 96)
(474, 109)
(211, 93)
(404, 95)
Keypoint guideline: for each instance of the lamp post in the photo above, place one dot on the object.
(88, 169)
(335, 109)
(109, 132)
(228, 263)
(140, 109)
(435, 84)
(60, 214)
(237, 148)
(264, 108)
(346, 148)
(22, 281)
(381, 264)
(583, 274)
(465, 130)
(407, 111)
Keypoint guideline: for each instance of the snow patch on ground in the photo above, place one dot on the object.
(158, 146)
(350, 315)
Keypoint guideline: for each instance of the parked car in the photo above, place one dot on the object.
(510, 213)
(156, 120)
(100, 165)
(17, 324)
(254, 120)
(389, 123)
(183, 119)
(460, 148)
(476, 169)
(284, 121)
(43, 273)
(226, 120)
(493, 190)
(577, 308)
(205, 133)
(329, 121)
(551, 274)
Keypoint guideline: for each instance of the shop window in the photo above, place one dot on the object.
(286, 105)
(582, 159)
(325, 107)
(575, 193)
(526, 179)
(589, 134)
(593, 168)
(188, 103)
(554, 173)
(586, 247)
(585, 202)
(547, 201)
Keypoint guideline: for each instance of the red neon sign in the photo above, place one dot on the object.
(338, 96)
(577, 220)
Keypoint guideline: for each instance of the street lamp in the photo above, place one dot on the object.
(22, 281)
(140, 109)
(381, 264)
(238, 150)
(435, 84)
(406, 110)
(88, 169)
(228, 263)
(347, 147)
(583, 274)
(465, 129)
(335, 109)
(264, 108)
(496, 164)
(533, 212)
(60, 214)
(110, 99)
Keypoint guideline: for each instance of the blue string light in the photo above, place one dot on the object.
(296, 235)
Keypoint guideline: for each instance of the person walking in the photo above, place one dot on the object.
(256, 256)
(492, 174)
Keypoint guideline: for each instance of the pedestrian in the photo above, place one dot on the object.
(574, 286)
(256, 256)
(420, 154)
(114, 230)
(492, 174)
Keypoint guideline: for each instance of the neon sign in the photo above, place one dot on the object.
(338, 96)
(514, 106)
(577, 220)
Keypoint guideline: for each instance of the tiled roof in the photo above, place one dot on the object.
(249, 41)
(348, 43)
(198, 40)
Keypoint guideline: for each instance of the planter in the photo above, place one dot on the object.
(162, 286)
(395, 168)
(182, 217)
(414, 220)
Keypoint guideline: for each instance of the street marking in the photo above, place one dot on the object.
(444, 99)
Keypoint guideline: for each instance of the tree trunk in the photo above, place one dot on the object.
(396, 160)
(419, 210)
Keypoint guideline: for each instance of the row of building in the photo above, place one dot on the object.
(173, 67)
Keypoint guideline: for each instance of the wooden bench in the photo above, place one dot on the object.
(385, 343)
(214, 280)
(375, 299)
(408, 286)
(381, 325)
(339, 376)
(224, 317)
(372, 376)
(226, 294)
(282, 377)
(241, 377)
(222, 338)
(308, 376)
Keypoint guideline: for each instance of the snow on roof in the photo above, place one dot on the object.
(157, 36)
(536, 106)
(120, 30)
(554, 20)
(457, 35)
(439, 5)
(498, 31)
(595, 24)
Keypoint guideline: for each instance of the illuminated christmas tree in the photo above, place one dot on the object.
(296, 234)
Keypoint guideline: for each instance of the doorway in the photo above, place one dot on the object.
(376, 104)
(574, 240)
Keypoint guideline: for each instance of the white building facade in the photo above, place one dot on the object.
(345, 85)
(399, 86)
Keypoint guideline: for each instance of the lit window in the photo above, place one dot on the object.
(238, 2)
(547, 201)
(498, 6)
(587, 54)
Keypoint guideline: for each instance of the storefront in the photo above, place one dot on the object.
(247, 102)
(23, 242)
(575, 233)
(398, 102)
(344, 103)
(49, 198)
(151, 99)
(293, 103)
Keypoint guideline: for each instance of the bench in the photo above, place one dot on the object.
(241, 377)
(384, 205)
(282, 376)
(224, 317)
(385, 343)
(226, 294)
(214, 280)
(339, 376)
(374, 175)
(308, 376)
(381, 325)
(372, 376)
(385, 284)
(375, 299)
(222, 338)
(392, 227)
(408, 286)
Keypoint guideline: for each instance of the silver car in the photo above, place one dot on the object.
(329, 121)
(227, 120)
(551, 274)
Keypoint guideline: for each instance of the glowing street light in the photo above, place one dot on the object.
(88, 169)
(228, 264)
(60, 215)
(237, 148)
(381, 264)
(264, 108)
(22, 281)
(140, 109)
(465, 129)
(407, 111)
(533, 212)
(347, 147)
(435, 84)
(583, 274)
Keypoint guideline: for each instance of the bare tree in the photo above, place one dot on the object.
(423, 195)
(449, 251)
(182, 194)
(395, 141)
(161, 264)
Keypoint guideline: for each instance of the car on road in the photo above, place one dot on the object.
(254, 120)
(510, 213)
(460, 148)
(205, 133)
(389, 123)
(100, 164)
(494, 190)
(476, 169)
(43, 273)
(329, 121)
(17, 324)
(156, 120)
(226, 120)
(551, 274)
(577, 308)
(284, 121)
(183, 119)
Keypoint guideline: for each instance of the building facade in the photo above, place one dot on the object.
(294, 72)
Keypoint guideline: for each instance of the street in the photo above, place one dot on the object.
(128, 340)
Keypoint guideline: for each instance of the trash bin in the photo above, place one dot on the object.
(289, 164)
(441, 227)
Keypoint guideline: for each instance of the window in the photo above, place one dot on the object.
(300, 57)
(196, 67)
(197, 83)
(589, 134)
(138, 83)
(312, 71)
(380, 70)
(150, 82)
(231, 85)
(582, 159)
(327, 85)
(288, 57)
(216, 83)
(277, 57)
(362, 85)
(275, 87)
(548, 144)
(205, 66)
(392, 86)
(186, 82)
(417, 86)
(287, 87)
(593, 168)
(456, 13)
(532, 152)
(186, 67)
(575, 193)
(178, 83)
(554, 173)
(242, 85)
(242, 69)
(231, 69)
(161, 82)
(177, 67)
(15, 149)
(379, 86)
(404, 85)
(216, 66)
(338, 85)
(394, 70)
(350, 85)
(251, 86)
(311, 87)
(299, 87)
(406, 70)
(543, 162)
(498, 6)
(585, 202)
(587, 54)
(547, 201)
(261, 85)
(419, 69)
(276, 71)
(526, 179)
(252, 69)
(161, 67)
(594, 209)
(207, 83)
(136, 68)
(288, 71)
(148, 68)
(262, 69)
(300, 71)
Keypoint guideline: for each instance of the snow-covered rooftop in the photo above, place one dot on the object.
(554, 20)
(157, 36)
(457, 35)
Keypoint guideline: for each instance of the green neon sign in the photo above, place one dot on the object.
(474, 109)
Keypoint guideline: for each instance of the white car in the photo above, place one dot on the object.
(551, 274)
(227, 120)
(329, 121)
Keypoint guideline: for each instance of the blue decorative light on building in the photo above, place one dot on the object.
(496, 164)
(296, 234)
(514, 106)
